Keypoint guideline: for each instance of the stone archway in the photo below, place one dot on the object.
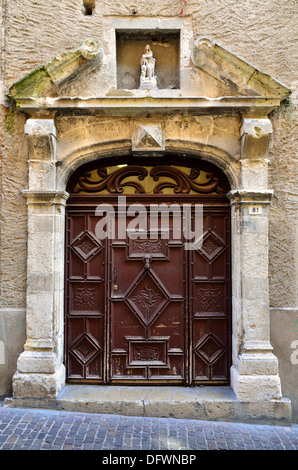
(41, 372)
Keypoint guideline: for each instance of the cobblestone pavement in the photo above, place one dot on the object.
(35, 429)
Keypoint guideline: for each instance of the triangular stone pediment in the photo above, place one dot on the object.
(46, 80)
(219, 74)
(234, 72)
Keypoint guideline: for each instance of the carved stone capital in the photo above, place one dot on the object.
(46, 198)
(255, 138)
(41, 137)
(244, 197)
(40, 127)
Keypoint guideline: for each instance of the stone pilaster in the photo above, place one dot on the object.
(40, 369)
(254, 374)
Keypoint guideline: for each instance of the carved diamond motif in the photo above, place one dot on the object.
(147, 298)
(86, 245)
(209, 348)
(85, 349)
(211, 246)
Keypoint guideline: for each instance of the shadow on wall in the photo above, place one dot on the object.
(284, 339)
(13, 329)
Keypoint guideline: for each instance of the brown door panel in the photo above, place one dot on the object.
(147, 311)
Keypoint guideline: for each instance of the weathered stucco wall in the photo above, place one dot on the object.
(284, 337)
(259, 31)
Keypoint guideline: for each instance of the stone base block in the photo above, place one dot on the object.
(201, 403)
(38, 385)
(148, 87)
(255, 387)
(260, 364)
(37, 362)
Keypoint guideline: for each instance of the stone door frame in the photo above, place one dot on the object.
(40, 369)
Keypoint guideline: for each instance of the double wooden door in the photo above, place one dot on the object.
(146, 310)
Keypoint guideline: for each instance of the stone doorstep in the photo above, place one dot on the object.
(201, 403)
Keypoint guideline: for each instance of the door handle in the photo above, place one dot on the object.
(115, 285)
(147, 260)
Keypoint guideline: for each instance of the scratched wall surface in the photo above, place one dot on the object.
(260, 31)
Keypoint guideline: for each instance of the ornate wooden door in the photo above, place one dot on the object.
(85, 301)
(209, 299)
(140, 309)
(148, 313)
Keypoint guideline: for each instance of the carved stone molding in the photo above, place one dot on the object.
(43, 80)
(255, 138)
(40, 127)
(243, 197)
(41, 138)
(246, 79)
(148, 137)
(45, 197)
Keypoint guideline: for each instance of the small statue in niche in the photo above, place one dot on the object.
(148, 79)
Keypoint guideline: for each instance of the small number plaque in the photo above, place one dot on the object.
(255, 210)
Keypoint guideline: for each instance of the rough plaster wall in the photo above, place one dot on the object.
(283, 179)
(260, 31)
(1, 95)
(13, 213)
(36, 31)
